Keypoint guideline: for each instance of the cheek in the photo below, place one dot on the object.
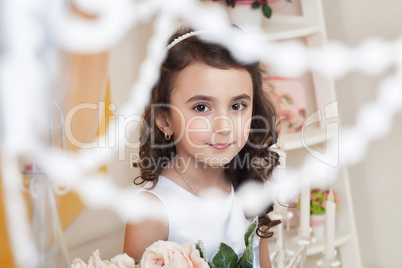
(178, 124)
(244, 127)
(198, 129)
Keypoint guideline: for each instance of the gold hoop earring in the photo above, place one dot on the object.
(167, 137)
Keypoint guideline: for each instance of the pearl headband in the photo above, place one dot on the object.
(184, 37)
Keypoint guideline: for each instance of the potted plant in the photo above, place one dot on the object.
(318, 202)
(255, 4)
(246, 12)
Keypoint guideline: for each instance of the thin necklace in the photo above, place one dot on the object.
(186, 182)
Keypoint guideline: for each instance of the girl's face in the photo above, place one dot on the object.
(211, 113)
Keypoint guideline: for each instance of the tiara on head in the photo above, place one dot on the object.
(184, 37)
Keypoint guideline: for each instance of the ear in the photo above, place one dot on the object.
(163, 123)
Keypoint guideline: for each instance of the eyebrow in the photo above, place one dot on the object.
(209, 98)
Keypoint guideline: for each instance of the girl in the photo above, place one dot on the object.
(207, 130)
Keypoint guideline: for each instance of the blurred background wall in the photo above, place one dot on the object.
(376, 182)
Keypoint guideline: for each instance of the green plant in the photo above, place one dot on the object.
(318, 201)
(227, 257)
(266, 9)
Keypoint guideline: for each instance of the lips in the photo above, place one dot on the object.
(220, 146)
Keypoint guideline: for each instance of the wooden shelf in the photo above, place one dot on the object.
(314, 248)
(319, 247)
(309, 25)
(287, 27)
(312, 136)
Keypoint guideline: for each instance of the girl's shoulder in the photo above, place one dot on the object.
(161, 191)
(148, 204)
(155, 187)
(164, 187)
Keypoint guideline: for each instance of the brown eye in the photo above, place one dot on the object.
(201, 108)
(239, 106)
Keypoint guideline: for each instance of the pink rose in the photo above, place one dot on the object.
(120, 261)
(95, 261)
(194, 255)
(171, 254)
(78, 263)
(123, 261)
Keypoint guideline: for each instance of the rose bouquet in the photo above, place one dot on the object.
(120, 261)
(181, 255)
(172, 254)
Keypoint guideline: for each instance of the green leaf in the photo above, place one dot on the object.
(255, 4)
(246, 260)
(226, 257)
(201, 248)
(266, 10)
(250, 231)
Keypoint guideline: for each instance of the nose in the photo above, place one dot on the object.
(223, 125)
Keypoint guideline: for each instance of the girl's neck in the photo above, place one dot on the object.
(198, 174)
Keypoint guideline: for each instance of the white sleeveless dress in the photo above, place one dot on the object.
(211, 221)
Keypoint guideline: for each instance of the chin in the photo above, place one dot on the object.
(221, 163)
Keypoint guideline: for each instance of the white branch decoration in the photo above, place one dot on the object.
(25, 80)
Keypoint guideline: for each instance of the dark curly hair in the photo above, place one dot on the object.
(260, 138)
